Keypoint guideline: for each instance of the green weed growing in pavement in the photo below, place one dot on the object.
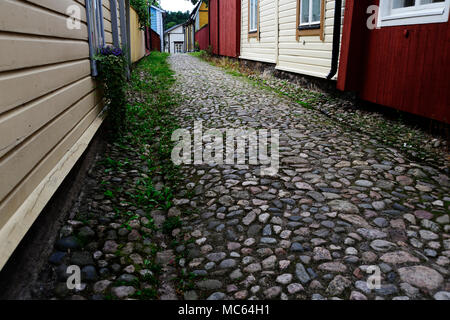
(146, 294)
(149, 125)
(171, 224)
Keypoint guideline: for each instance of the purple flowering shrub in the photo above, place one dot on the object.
(111, 50)
(112, 75)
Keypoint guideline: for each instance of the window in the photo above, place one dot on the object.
(310, 18)
(407, 12)
(178, 47)
(253, 18)
(310, 13)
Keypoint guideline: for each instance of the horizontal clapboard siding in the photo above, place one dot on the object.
(38, 81)
(24, 51)
(309, 55)
(21, 17)
(60, 6)
(264, 48)
(19, 124)
(107, 25)
(49, 102)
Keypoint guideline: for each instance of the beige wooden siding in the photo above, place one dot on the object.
(107, 22)
(309, 55)
(49, 103)
(264, 48)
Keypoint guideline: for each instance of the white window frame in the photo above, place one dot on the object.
(253, 24)
(417, 14)
(310, 23)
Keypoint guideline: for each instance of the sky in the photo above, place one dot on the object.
(177, 5)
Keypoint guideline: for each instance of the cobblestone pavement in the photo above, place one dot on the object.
(340, 203)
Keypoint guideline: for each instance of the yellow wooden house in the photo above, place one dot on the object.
(198, 19)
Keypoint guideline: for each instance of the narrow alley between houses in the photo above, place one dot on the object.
(341, 208)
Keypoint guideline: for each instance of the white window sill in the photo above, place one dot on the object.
(410, 17)
(415, 14)
(306, 26)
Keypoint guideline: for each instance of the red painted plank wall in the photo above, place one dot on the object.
(213, 12)
(404, 67)
(202, 37)
(156, 41)
(147, 39)
(225, 27)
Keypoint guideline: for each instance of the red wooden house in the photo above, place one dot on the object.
(404, 60)
(225, 27)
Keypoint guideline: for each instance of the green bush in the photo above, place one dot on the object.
(112, 74)
(141, 8)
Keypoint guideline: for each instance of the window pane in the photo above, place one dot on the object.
(305, 12)
(255, 15)
(402, 3)
(251, 14)
(316, 11)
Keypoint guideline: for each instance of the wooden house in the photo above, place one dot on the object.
(50, 107)
(189, 32)
(402, 60)
(174, 39)
(201, 19)
(157, 26)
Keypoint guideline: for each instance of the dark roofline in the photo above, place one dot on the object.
(174, 27)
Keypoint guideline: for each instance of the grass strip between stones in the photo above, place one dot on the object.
(142, 179)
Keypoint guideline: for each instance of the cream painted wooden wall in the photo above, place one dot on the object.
(49, 107)
(264, 49)
(309, 55)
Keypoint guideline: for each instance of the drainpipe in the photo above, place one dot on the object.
(90, 28)
(336, 39)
